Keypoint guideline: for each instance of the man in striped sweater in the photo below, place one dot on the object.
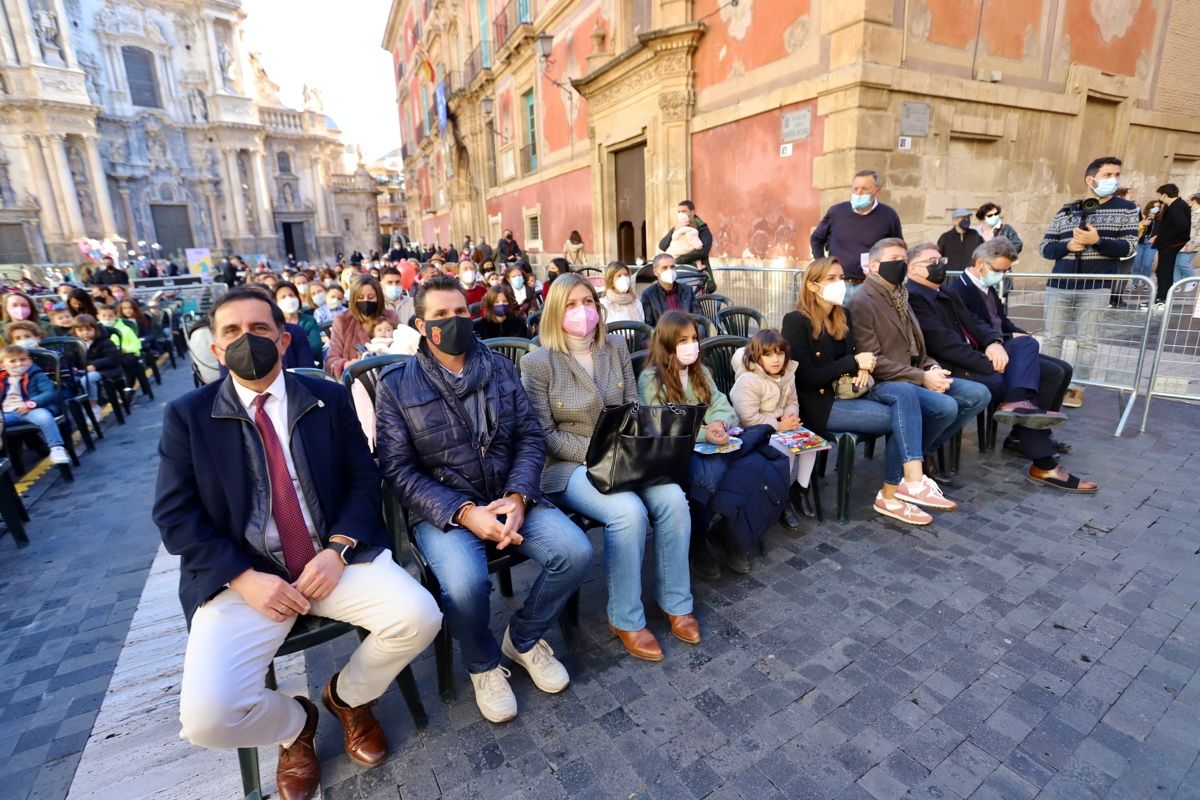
(1086, 244)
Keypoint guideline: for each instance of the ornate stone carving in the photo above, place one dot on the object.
(312, 99)
(8, 198)
(651, 70)
(156, 146)
(197, 105)
(91, 72)
(118, 149)
(675, 106)
(131, 22)
(79, 177)
(49, 35)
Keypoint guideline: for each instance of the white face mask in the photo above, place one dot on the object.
(621, 283)
(682, 217)
(993, 220)
(687, 353)
(667, 277)
(467, 277)
(834, 293)
(333, 301)
(288, 305)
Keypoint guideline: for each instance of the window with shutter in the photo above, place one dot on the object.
(139, 72)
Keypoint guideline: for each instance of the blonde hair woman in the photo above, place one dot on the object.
(577, 371)
(620, 301)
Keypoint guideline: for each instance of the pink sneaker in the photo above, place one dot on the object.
(927, 494)
(898, 509)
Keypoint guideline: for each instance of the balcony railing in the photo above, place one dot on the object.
(281, 119)
(514, 14)
(479, 60)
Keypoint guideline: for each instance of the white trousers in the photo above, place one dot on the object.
(223, 701)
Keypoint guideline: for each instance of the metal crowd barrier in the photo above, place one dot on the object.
(1106, 346)
(770, 290)
(1175, 372)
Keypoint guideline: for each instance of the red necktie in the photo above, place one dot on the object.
(285, 506)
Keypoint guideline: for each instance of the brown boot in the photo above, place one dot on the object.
(640, 644)
(685, 627)
(365, 742)
(298, 776)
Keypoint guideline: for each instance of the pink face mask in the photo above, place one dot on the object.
(19, 312)
(581, 320)
(687, 353)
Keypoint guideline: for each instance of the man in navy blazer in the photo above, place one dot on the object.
(1028, 384)
(269, 495)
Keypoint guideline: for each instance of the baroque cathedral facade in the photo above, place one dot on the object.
(148, 121)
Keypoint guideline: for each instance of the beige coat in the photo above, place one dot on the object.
(760, 399)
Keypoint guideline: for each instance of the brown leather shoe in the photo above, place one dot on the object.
(685, 627)
(298, 776)
(640, 644)
(365, 742)
(1059, 478)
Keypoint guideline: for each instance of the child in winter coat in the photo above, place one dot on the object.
(764, 393)
(30, 396)
(684, 239)
(103, 357)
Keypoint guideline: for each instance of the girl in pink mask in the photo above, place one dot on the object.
(675, 374)
(575, 373)
(17, 307)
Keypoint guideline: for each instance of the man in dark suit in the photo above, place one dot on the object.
(268, 493)
(1170, 237)
(1027, 386)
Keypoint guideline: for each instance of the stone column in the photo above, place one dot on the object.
(235, 195)
(127, 210)
(58, 158)
(45, 188)
(108, 219)
(266, 222)
(214, 212)
(318, 198)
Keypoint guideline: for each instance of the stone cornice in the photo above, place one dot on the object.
(657, 54)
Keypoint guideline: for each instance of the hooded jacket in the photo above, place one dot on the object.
(760, 399)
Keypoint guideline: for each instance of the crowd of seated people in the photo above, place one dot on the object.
(487, 453)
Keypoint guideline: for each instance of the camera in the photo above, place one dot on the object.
(1083, 208)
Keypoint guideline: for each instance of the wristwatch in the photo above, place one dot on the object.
(343, 545)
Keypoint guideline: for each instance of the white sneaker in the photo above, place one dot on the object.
(547, 672)
(58, 455)
(1191, 287)
(494, 696)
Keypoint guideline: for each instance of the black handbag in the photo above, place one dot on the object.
(634, 446)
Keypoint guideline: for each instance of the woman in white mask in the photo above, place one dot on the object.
(833, 385)
(620, 301)
(992, 224)
(287, 297)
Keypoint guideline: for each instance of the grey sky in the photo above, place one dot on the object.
(332, 45)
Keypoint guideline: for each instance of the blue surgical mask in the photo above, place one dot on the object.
(518, 282)
(860, 202)
(1106, 186)
(993, 278)
(393, 292)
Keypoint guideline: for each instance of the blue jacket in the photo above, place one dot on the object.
(429, 455)
(206, 505)
(747, 487)
(36, 386)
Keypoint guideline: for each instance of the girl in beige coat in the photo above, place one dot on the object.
(764, 393)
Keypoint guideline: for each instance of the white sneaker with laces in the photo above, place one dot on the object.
(58, 455)
(547, 672)
(494, 696)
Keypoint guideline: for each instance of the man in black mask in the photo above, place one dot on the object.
(461, 449)
(884, 324)
(268, 492)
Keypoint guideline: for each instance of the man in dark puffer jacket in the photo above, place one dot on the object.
(461, 449)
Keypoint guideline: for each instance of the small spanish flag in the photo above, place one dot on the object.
(426, 66)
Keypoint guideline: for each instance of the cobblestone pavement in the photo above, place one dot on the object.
(1030, 644)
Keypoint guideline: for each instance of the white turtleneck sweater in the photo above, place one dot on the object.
(580, 347)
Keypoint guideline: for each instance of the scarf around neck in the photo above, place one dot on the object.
(898, 297)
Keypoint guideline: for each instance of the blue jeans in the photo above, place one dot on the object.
(627, 518)
(459, 560)
(40, 417)
(972, 398)
(1183, 266)
(93, 380)
(1143, 262)
(924, 418)
(874, 417)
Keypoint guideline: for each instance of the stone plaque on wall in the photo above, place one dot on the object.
(797, 125)
(914, 119)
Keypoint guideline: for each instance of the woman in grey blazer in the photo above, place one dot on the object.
(577, 371)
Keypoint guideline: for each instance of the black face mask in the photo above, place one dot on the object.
(367, 308)
(937, 271)
(251, 356)
(893, 272)
(451, 335)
